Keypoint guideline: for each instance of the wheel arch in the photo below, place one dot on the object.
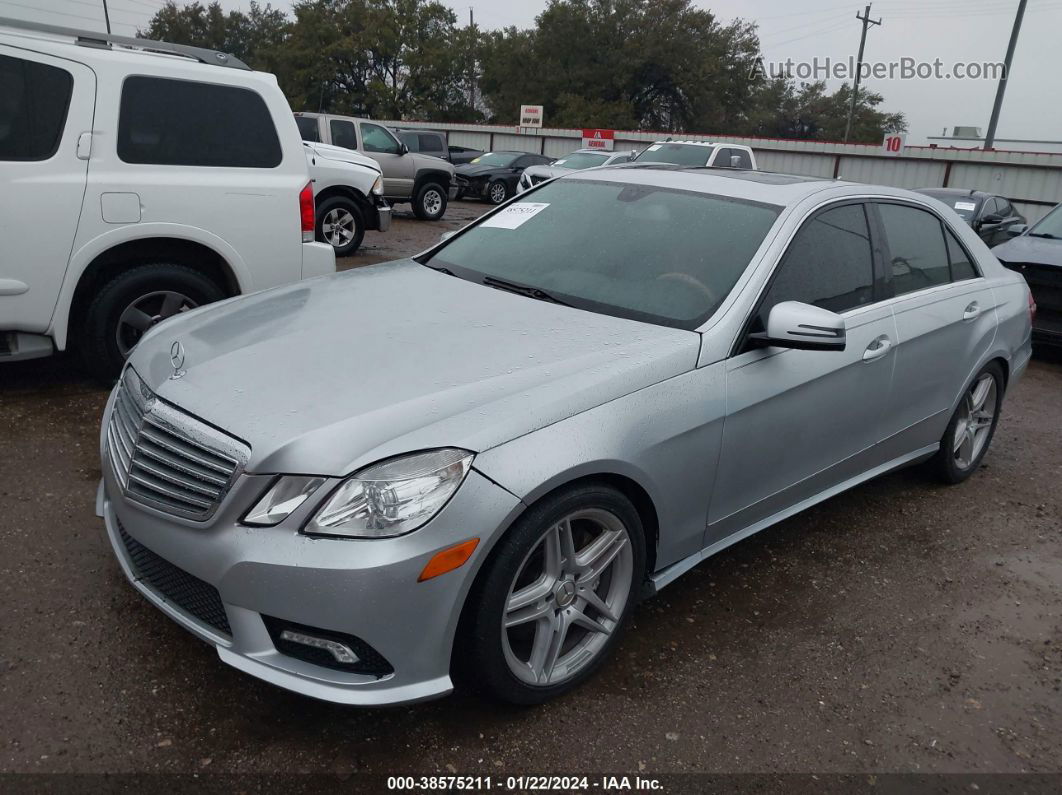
(343, 191)
(425, 175)
(112, 261)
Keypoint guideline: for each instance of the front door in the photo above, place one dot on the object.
(46, 110)
(800, 422)
(399, 167)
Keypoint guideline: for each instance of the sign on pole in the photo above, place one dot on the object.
(894, 143)
(599, 139)
(531, 116)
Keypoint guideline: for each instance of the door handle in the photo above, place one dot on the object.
(877, 348)
(84, 146)
(972, 311)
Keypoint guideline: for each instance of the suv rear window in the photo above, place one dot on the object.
(33, 107)
(184, 123)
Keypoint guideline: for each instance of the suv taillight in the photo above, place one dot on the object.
(306, 212)
(1032, 307)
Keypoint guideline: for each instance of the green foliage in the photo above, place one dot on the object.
(625, 64)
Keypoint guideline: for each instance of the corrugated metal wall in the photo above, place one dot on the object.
(1032, 180)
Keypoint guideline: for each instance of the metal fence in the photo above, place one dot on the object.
(1031, 180)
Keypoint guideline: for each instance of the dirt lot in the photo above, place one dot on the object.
(903, 626)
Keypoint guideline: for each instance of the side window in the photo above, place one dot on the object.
(990, 207)
(523, 162)
(829, 264)
(1006, 209)
(376, 139)
(33, 106)
(961, 267)
(432, 144)
(308, 128)
(343, 133)
(620, 159)
(918, 256)
(744, 161)
(722, 158)
(184, 123)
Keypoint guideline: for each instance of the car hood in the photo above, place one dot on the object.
(473, 170)
(342, 155)
(547, 171)
(328, 375)
(1036, 250)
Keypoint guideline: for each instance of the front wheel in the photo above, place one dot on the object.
(497, 192)
(971, 428)
(551, 602)
(430, 202)
(341, 225)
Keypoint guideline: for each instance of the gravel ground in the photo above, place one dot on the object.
(902, 626)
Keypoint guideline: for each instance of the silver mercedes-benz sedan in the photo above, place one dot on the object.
(469, 465)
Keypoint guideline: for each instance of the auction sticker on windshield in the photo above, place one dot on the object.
(515, 215)
(968, 206)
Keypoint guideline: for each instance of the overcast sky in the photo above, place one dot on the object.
(952, 30)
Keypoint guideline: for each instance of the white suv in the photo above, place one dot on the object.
(138, 180)
(699, 154)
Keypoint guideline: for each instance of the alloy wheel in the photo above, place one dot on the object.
(432, 202)
(497, 192)
(338, 227)
(977, 413)
(567, 597)
(146, 311)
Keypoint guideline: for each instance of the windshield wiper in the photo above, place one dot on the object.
(1047, 235)
(520, 289)
(438, 268)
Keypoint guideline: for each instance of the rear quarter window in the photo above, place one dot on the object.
(34, 100)
(186, 123)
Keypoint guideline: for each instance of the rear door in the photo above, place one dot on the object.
(46, 107)
(945, 319)
(800, 422)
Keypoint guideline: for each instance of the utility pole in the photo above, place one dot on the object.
(106, 17)
(867, 22)
(990, 139)
(472, 75)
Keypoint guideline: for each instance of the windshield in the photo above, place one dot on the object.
(1050, 224)
(654, 254)
(308, 128)
(679, 154)
(965, 206)
(577, 160)
(496, 159)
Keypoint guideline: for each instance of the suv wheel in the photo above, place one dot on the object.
(550, 603)
(340, 224)
(131, 303)
(430, 202)
(497, 192)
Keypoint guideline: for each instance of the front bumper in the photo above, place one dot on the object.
(362, 588)
(383, 215)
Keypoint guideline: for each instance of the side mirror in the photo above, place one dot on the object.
(991, 219)
(1017, 229)
(403, 149)
(804, 327)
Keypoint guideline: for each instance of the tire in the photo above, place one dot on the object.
(109, 333)
(497, 192)
(341, 224)
(963, 446)
(430, 202)
(491, 659)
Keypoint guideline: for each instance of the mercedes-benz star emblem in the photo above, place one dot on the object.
(177, 359)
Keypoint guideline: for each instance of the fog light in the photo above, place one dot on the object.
(341, 651)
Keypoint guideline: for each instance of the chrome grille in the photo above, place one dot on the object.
(167, 459)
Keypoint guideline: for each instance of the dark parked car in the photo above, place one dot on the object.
(463, 154)
(493, 176)
(991, 216)
(430, 142)
(1036, 254)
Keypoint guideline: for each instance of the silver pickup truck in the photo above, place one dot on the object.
(426, 182)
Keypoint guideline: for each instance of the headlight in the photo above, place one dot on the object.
(392, 497)
(285, 495)
(377, 186)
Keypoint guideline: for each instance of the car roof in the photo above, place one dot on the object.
(760, 186)
(956, 192)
